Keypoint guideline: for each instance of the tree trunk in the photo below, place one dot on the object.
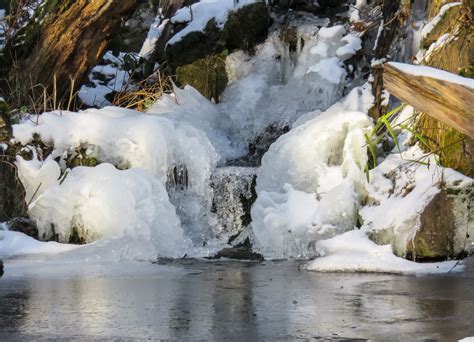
(384, 43)
(62, 42)
(455, 149)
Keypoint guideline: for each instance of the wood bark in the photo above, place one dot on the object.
(64, 41)
(445, 101)
(381, 50)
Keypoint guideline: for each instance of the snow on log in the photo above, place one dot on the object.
(442, 95)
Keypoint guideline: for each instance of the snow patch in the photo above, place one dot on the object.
(354, 252)
(432, 24)
(198, 15)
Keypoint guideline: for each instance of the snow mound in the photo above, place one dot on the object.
(17, 244)
(354, 252)
(126, 138)
(310, 183)
(103, 202)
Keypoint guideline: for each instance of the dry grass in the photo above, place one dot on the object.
(140, 96)
(37, 98)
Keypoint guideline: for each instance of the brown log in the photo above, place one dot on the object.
(446, 101)
(71, 39)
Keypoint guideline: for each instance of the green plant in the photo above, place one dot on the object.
(386, 127)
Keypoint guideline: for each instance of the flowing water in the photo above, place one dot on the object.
(219, 301)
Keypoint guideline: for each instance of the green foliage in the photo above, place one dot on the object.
(385, 129)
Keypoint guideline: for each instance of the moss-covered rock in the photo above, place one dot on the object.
(247, 27)
(82, 156)
(208, 75)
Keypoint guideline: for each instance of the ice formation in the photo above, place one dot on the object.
(160, 173)
(311, 182)
(274, 88)
(155, 145)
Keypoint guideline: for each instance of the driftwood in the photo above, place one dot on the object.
(448, 102)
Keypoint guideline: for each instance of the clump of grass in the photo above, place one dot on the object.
(385, 128)
(37, 98)
(141, 96)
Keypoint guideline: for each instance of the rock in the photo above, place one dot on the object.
(12, 193)
(434, 240)
(24, 225)
(242, 251)
(1, 268)
(244, 29)
(461, 201)
(199, 58)
(234, 195)
(134, 31)
(425, 214)
(208, 75)
(247, 27)
(260, 145)
(321, 7)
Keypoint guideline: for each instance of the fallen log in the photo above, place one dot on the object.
(442, 95)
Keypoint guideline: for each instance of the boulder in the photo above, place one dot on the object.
(243, 30)
(24, 225)
(198, 59)
(242, 251)
(208, 75)
(434, 240)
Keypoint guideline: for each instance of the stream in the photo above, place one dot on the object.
(224, 300)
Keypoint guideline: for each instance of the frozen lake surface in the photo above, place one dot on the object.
(219, 301)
